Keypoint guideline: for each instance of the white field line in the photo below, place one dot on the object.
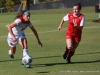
(90, 27)
(53, 20)
(65, 29)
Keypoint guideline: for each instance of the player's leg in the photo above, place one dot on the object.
(68, 43)
(12, 46)
(23, 43)
(71, 52)
(12, 51)
(69, 49)
(75, 44)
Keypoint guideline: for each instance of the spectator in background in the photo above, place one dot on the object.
(99, 4)
(99, 9)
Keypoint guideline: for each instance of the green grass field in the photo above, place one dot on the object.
(48, 59)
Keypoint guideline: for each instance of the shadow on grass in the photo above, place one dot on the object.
(47, 57)
(96, 21)
(10, 60)
(89, 53)
(43, 72)
(48, 64)
(83, 62)
(53, 64)
(33, 58)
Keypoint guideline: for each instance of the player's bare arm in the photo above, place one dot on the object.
(10, 30)
(36, 34)
(61, 23)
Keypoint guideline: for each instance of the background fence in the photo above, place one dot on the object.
(61, 4)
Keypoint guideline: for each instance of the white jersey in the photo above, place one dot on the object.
(21, 25)
(18, 31)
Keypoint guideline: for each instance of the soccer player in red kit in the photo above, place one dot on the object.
(74, 30)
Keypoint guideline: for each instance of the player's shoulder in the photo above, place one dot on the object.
(17, 20)
(70, 13)
(82, 15)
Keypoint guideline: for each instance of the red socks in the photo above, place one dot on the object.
(67, 50)
(70, 53)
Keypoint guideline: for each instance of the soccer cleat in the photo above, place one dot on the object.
(68, 61)
(11, 56)
(65, 55)
(27, 65)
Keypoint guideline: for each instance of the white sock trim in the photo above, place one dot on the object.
(9, 52)
(25, 52)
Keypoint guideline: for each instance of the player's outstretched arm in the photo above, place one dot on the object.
(10, 30)
(36, 34)
(61, 23)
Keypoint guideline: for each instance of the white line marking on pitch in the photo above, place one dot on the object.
(55, 30)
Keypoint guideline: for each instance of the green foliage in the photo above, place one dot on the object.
(9, 5)
(2, 3)
(17, 2)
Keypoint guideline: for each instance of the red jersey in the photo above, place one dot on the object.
(71, 29)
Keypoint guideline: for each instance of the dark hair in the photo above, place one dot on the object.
(79, 5)
(21, 13)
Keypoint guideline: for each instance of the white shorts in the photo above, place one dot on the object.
(12, 43)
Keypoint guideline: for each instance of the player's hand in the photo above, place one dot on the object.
(75, 25)
(74, 22)
(39, 42)
(14, 39)
(59, 28)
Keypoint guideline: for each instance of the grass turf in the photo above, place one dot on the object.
(48, 59)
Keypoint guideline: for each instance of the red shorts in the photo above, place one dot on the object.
(73, 37)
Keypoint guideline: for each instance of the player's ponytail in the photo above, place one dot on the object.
(19, 14)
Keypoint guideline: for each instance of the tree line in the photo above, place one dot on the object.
(8, 5)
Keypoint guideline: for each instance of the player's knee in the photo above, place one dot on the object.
(70, 48)
(25, 47)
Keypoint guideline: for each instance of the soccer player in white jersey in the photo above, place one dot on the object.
(16, 33)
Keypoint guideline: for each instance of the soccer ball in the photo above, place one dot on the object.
(27, 60)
